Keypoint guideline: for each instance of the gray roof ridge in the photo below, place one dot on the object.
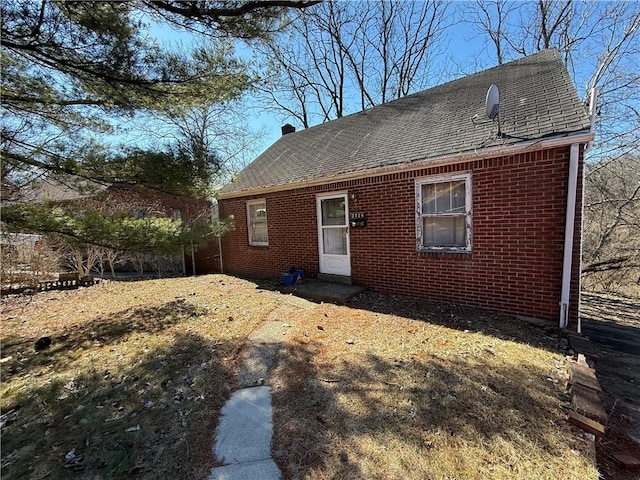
(553, 51)
(538, 100)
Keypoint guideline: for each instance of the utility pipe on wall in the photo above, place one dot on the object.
(193, 259)
(220, 252)
(592, 116)
(574, 154)
(592, 119)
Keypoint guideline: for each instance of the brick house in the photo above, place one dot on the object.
(204, 258)
(138, 202)
(426, 196)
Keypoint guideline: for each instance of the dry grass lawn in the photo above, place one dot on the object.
(385, 388)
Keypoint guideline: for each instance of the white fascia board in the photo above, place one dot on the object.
(491, 152)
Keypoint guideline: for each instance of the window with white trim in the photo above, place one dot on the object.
(443, 213)
(257, 223)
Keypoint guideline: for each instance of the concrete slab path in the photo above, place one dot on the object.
(244, 433)
(263, 470)
(243, 436)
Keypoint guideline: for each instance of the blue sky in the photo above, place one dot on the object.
(465, 52)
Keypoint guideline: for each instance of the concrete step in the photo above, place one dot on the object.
(324, 291)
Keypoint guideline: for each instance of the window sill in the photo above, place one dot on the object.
(431, 251)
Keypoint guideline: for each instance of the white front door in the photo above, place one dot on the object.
(333, 234)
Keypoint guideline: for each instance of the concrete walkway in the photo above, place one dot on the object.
(243, 436)
(243, 440)
(324, 291)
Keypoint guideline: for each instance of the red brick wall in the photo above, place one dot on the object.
(155, 204)
(518, 230)
(207, 259)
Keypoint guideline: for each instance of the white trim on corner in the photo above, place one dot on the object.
(567, 258)
(491, 152)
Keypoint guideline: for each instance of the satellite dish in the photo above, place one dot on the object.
(493, 102)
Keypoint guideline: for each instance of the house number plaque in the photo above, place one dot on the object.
(357, 219)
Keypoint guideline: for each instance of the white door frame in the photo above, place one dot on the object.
(332, 263)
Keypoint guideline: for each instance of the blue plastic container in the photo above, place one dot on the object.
(299, 274)
(289, 279)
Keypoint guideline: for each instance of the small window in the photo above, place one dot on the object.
(443, 213)
(257, 223)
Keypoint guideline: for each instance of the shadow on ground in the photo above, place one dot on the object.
(98, 332)
(613, 326)
(154, 412)
(541, 334)
(436, 415)
(458, 317)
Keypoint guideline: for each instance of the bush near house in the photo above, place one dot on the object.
(122, 226)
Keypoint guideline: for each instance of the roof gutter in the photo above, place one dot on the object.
(491, 152)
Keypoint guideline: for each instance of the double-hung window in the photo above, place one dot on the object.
(443, 213)
(257, 223)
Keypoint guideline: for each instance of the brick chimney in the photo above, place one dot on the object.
(288, 128)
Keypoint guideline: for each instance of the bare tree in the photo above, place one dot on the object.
(339, 57)
(74, 256)
(617, 79)
(216, 130)
(600, 43)
(111, 256)
(612, 230)
(516, 29)
(490, 18)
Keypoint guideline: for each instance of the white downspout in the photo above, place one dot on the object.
(568, 234)
(593, 99)
(592, 116)
(584, 186)
(220, 253)
(215, 219)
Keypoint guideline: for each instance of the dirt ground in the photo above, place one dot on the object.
(391, 387)
(613, 326)
(385, 387)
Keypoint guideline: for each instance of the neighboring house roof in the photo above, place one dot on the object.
(59, 188)
(538, 100)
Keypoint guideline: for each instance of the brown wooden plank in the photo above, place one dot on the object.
(586, 424)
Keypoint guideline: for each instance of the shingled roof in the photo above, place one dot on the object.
(60, 188)
(537, 100)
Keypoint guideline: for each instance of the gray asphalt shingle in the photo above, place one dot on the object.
(537, 100)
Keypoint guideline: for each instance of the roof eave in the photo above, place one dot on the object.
(582, 136)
